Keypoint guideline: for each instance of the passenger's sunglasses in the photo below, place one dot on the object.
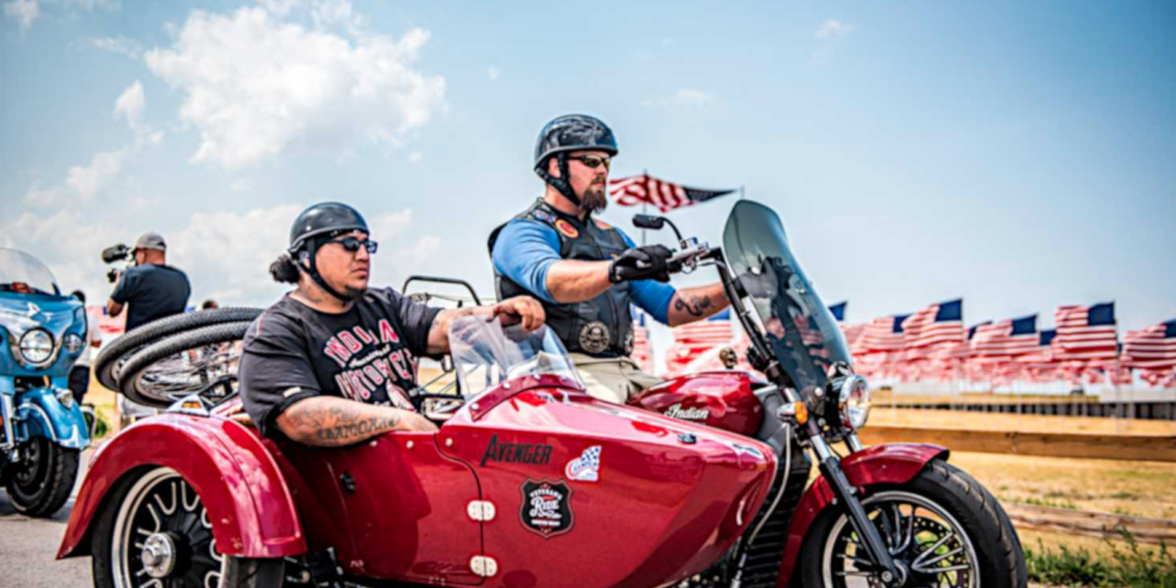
(592, 161)
(352, 244)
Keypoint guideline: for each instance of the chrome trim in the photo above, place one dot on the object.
(45, 415)
(8, 411)
(853, 443)
(18, 356)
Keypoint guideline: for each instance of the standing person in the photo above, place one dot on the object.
(79, 374)
(586, 272)
(151, 289)
(334, 361)
(209, 304)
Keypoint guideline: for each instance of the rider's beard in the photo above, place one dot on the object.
(594, 199)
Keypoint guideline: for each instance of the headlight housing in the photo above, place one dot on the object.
(854, 402)
(36, 346)
(73, 343)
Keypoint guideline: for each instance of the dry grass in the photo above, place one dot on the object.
(983, 421)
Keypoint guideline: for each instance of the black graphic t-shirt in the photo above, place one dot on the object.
(366, 354)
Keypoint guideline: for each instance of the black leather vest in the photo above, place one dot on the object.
(601, 327)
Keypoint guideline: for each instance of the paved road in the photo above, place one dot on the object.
(28, 548)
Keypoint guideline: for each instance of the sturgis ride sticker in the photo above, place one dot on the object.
(567, 229)
(547, 508)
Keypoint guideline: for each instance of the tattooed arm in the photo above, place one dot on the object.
(692, 304)
(326, 421)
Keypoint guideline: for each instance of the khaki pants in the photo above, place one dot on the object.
(613, 379)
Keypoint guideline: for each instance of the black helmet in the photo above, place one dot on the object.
(317, 225)
(324, 218)
(570, 132)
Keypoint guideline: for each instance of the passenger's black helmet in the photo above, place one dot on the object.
(573, 132)
(323, 219)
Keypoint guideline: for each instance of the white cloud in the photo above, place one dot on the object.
(493, 72)
(256, 85)
(88, 180)
(692, 97)
(326, 13)
(415, 157)
(833, 29)
(24, 12)
(279, 8)
(120, 45)
(130, 105)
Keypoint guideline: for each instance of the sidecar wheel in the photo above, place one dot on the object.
(950, 531)
(43, 481)
(155, 533)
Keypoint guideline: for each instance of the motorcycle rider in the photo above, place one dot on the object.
(586, 272)
(333, 362)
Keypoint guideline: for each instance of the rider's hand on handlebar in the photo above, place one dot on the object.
(641, 263)
(522, 309)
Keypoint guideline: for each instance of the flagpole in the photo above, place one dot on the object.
(645, 202)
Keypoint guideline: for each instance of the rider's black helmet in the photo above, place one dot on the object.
(570, 132)
(323, 219)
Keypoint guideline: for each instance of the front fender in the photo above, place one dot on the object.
(39, 412)
(251, 509)
(891, 463)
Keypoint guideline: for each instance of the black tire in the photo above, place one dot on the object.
(107, 362)
(131, 373)
(188, 525)
(42, 484)
(1000, 561)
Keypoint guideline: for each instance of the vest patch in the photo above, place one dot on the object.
(567, 229)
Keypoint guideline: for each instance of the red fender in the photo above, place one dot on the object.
(892, 463)
(252, 512)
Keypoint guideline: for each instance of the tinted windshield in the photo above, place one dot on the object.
(486, 354)
(799, 327)
(22, 273)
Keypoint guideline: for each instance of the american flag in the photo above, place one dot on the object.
(696, 339)
(884, 334)
(642, 350)
(935, 325)
(1151, 349)
(1087, 333)
(1007, 338)
(665, 195)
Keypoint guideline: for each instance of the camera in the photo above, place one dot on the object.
(113, 254)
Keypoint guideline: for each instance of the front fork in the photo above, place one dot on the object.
(846, 496)
(7, 411)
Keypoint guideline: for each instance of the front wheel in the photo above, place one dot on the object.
(157, 534)
(43, 478)
(943, 529)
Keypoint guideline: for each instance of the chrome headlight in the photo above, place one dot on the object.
(73, 343)
(854, 403)
(36, 346)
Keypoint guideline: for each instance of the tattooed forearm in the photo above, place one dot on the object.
(331, 422)
(694, 306)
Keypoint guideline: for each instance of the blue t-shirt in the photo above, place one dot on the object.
(526, 248)
(151, 292)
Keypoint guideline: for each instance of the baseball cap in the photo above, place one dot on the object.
(151, 241)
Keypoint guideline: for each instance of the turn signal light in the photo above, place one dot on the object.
(795, 410)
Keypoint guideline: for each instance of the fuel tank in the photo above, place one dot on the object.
(720, 399)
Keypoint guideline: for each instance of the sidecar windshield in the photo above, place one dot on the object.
(802, 333)
(485, 354)
(23, 274)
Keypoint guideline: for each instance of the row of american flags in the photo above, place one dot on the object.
(933, 344)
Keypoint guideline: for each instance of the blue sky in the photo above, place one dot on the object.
(1021, 155)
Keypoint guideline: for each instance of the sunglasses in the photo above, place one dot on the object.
(592, 161)
(352, 244)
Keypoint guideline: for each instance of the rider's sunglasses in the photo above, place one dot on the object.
(352, 244)
(592, 161)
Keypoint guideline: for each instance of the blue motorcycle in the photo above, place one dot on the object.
(42, 429)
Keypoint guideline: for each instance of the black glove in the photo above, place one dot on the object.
(641, 263)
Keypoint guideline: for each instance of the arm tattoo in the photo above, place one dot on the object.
(332, 422)
(693, 305)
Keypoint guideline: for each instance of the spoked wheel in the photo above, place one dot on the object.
(200, 361)
(943, 530)
(158, 535)
(44, 478)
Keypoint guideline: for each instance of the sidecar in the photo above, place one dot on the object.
(42, 430)
(529, 482)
